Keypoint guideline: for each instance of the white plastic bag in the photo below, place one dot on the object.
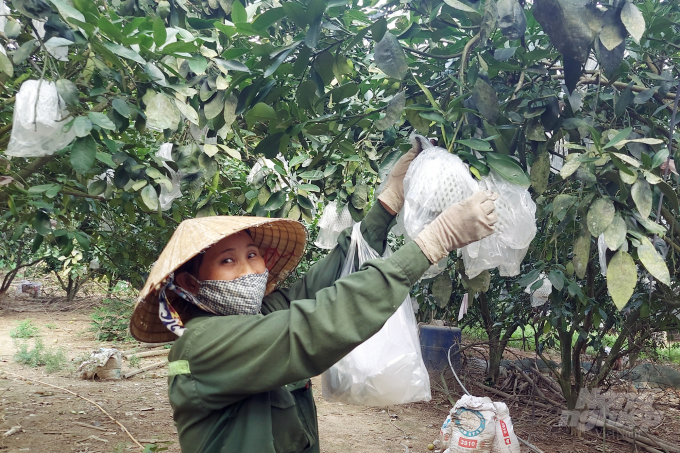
(331, 224)
(438, 179)
(168, 194)
(387, 368)
(37, 127)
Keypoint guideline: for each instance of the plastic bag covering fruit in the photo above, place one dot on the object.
(435, 180)
(438, 179)
(37, 128)
(168, 195)
(387, 368)
(331, 224)
(515, 230)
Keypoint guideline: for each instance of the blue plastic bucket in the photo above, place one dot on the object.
(435, 342)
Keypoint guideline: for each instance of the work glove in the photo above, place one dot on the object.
(392, 195)
(459, 225)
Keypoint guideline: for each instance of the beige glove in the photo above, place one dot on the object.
(459, 225)
(393, 194)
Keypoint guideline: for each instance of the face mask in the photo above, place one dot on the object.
(242, 296)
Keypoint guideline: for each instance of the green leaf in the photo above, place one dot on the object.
(67, 11)
(600, 216)
(121, 107)
(83, 153)
(621, 278)
(561, 204)
(653, 261)
(82, 126)
(581, 255)
(660, 157)
(295, 12)
(390, 58)
(540, 172)
(619, 137)
(260, 112)
(25, 51)
(304, 202)
(633, 20)
(233, 65)
(269, 146)
(280, 59)
(557, 279)
(475, 143)
(275, 201)
(6, 65)
(360, 196)
(393, 112)
(110, 30)
(627, 159)
(508, 169)
(460, 6)
(238, 12)
(624, 100)
(312, 37)
(101, 120)
(68, 91)
(150, 198)
(124, 52)
(615, 234)
(641, 193)
(96, 187)
(269, 18)
(486, 100)
(188, 111)
(311, 175)
(160, 34)
(670, 193)
(442, 288)
(42, 223)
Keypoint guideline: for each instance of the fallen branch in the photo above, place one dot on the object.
(154, 345)
(90, 426)
(640, 436)
(147, 353)
(145, 369)
(82, 397)
(508, 396)
(13, 430)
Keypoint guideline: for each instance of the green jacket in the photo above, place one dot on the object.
(240, 384)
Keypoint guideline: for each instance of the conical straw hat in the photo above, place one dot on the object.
(284, 240)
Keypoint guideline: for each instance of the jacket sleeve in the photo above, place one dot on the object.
(374, 228)
(232, 357)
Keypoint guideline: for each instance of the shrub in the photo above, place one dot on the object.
(24, 329)
(40, 355)
(110, 320)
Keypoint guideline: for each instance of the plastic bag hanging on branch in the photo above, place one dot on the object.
(424, 201)
(38, 125)
(387, 368)
(331, 224)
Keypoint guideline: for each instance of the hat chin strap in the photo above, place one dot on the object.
(167, 314)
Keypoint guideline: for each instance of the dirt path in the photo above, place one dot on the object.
(52, 420)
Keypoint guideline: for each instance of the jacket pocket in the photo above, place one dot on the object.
(288, 431)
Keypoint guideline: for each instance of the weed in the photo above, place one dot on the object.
(110, 320)
(24, 329)
(40, 355)
(135, 361)
(51, 326)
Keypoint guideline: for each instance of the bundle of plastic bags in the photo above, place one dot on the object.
(37, 126)
(438, 179)
(387, 368)
(479, 425)
(331, 224)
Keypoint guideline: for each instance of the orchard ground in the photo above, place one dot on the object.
(52, 420)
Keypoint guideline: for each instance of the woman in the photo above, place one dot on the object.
(239, 373)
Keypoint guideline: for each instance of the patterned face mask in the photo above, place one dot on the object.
(242, 296)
